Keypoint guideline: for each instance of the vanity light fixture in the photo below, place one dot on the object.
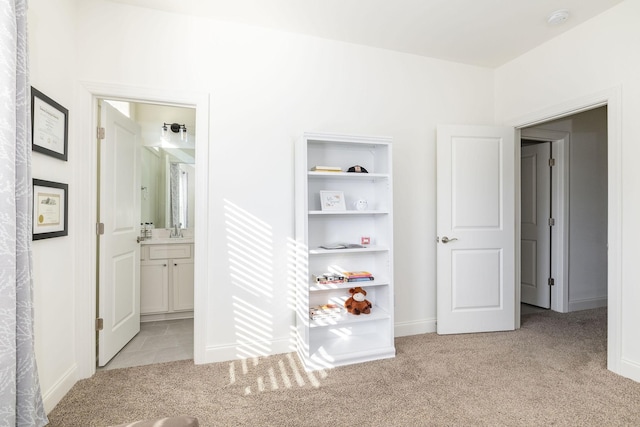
(175, 128)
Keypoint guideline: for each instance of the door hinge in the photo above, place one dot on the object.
(99, 324)
(552, 222)
(100, 133)
(552, 281)
(552, 162)
(100, 228)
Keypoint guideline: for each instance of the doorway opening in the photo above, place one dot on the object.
(563, 254)
(159, 195)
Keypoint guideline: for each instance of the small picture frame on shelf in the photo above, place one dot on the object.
(332, 201)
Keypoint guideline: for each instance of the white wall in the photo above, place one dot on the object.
(266, 89)
(601, 55)
(588, 210)
(52, 47)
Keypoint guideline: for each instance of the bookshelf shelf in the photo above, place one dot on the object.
(349, 338)
(316, 287)
(321, 251)
(377, 313)
(348, 175)
(349, 212)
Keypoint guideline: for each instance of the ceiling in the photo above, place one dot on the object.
(480, 32)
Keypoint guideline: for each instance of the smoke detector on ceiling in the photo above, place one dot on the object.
(558, 17)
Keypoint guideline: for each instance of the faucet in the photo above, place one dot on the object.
(176, 232)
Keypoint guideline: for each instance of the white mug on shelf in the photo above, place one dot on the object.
(361, 205)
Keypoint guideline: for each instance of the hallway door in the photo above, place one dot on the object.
(536, 224)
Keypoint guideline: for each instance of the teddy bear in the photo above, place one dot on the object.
(357, 303)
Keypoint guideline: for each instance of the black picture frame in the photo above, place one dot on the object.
(50, 209)
(49, 126)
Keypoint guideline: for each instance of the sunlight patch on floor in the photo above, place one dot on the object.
(259, 375)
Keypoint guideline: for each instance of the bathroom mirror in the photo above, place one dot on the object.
(168, 188)
(160, 150)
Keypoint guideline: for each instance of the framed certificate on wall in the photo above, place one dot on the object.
(49, 126)
(50, 204)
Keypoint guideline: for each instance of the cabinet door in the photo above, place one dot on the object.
(182, 284)
(154, 287)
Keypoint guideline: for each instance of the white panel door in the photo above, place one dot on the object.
(476, 229)
(535, 240)
(119, 250)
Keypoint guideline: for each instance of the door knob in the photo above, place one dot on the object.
(445, 239)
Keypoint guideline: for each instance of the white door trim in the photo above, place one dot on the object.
(86, 177)
(612, 98)
(560, 142)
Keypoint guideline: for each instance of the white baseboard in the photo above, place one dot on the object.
(235, 351)
(587, 304)
(629, 369)
(425, 326)
(61, 387)
(179, 315)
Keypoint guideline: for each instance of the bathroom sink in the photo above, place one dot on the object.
(167, 240)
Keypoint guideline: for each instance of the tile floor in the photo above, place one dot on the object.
(157, 342)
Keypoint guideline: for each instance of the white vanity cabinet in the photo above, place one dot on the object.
(182, 281)
(154, 286)
(166, 281)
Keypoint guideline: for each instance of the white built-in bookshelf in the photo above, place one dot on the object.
(344, 338)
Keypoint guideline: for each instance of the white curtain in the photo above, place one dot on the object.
(20, 396)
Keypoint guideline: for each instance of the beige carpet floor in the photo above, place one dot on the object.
(552, 371)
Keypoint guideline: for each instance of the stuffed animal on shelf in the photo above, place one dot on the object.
(357, 303)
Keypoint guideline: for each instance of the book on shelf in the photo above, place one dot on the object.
(326, 311)
(326, 169)
(341, 246)
(329, 278)
(360, 279)
(356, 274)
